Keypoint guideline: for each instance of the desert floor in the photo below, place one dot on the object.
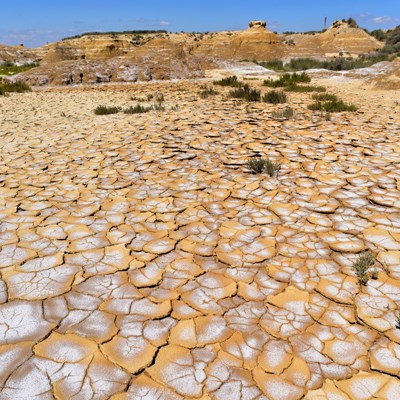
(140, 259)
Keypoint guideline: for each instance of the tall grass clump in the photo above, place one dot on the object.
(15, 87)
(275, 97)
(138, 109)
(332, 106)
(304, 89)
(231, 81)
(288, 80)
(104, 110)
(258, 165)
(286, 113)
(206, 92)
(246, 92)
(362, 266)
(325, 97)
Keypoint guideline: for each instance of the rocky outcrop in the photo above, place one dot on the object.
(254, 43)
(340, 38)
(17, 54)
(257, 24)
(118, 69)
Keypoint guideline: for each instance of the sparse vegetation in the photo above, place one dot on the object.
(335, 64)
(158, 106)
(332, 106)
(247, 93)
(9, 68)
(275, 97)
(258, 165)
(138, 109)
(104, 110)
(325, 97)
(231, 81)
(286, 113)
(362, 266)
(206, 92)
(139, 99)
(287, 80)
(16, 87)
(304, 89)
(159, 98)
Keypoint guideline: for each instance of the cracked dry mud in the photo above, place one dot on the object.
(140, 260)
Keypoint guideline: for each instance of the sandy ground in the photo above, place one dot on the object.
(140, 259)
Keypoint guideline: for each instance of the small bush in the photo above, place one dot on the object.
(304, 89)
(138, 99)
(325, 97)
(231, 81)
(332, 106)
(258, 165)
(138, 109)
(247, 93)
(275, 97)
(362, 265)
(16, 87)
(286, 113)
(205, 93)
(104, 110)
(158, 107)
(159, 98)
(287, 80)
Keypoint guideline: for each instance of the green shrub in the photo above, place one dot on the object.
(247, 93)
(288, 79)
(16, 87)
(304, 89)
(138, 109)
(159, 98)
(104, 110)
(9, 68)
(275, 97)
(258, 165)
(231, 81)
(325, 97)
(158, 107)
(362, 265)
(205, 93)
(286, 113)
(332, 106)
(337, 64)
(275, 65)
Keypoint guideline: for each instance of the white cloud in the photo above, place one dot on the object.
(164, 23)
(383, 20)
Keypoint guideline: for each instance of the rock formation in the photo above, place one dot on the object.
(340, 38)
(17, 54)
(161, 55)
(257, 24)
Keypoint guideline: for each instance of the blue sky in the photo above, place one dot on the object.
(35, 22)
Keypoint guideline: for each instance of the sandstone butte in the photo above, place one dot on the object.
(141, 260)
